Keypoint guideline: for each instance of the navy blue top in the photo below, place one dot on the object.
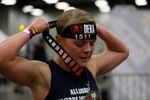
(67, 86)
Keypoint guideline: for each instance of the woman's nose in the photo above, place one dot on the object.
(87, 48)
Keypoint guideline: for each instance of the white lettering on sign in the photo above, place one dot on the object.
(79, 91)
(88, 28)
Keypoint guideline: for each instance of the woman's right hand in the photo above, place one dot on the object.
(40, 24)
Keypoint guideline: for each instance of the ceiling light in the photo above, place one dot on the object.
(9, 2)
(61, 5)
(103, 6)
(27, 9)
(105, 9)
(51, 1)
(141, 2)
(37, 12)
(100, 3)
(69, 8)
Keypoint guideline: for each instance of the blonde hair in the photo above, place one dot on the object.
(73, 16)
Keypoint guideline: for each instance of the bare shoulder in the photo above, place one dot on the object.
(40, 64)
(96, 63)
(43, 80)
(44, 72)
(92, 65)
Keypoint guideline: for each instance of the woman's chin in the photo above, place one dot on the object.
(83, 64)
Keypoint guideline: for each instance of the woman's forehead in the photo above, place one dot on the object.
(77, 40)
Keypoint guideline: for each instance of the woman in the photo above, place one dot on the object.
(54, 80)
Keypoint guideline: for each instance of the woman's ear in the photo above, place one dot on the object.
(58, 38)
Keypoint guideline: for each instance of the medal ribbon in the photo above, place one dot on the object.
(74, 66)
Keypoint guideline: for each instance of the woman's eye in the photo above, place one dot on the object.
(79, 44)
(92, 44)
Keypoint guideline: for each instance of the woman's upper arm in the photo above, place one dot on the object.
(22, 71)
(106, 61)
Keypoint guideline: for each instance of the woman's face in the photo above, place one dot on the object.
(80, 50)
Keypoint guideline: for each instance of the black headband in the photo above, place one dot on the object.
(81, 31)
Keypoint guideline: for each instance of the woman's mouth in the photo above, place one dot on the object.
(83, 58)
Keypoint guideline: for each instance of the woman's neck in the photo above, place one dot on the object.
(61, 63)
